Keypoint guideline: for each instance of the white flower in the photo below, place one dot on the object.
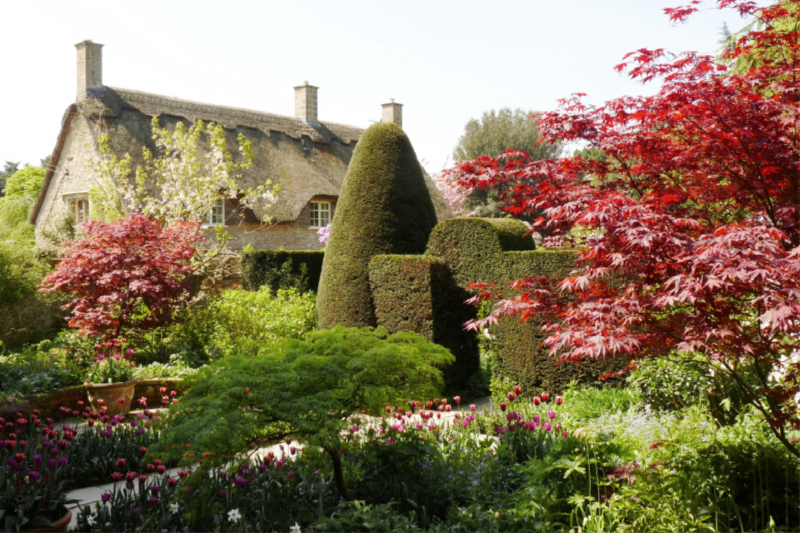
(295, 528)
(90, 520)
(173, 508)
(234, 515)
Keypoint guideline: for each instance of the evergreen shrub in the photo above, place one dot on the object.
(428, 292)
(279, 269)
(384, 208)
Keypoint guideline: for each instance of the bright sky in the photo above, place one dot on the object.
(446, 61)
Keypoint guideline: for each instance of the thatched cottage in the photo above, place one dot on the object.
(306, 157)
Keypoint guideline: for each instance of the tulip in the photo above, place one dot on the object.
(548, 426)
(154, 501)
(151, 467)
(472, 407)
(154, 489)
(105, 496)
(142, 478)
(51, 464)
(503, 406)
(551, 414)
(517, 389)
(130, 476)
(545, 397)
(63, 461)
(161, 469)
(33, 475)
(223, 494)
(182, 473)
(172, 481)
(511, 396)
(116, 476)
(537, 400)
(559, 400)
(448, 408)
(37, 460)
(457, 399)
(290, 475)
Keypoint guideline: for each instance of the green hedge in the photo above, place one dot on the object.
(384, 208)
(281, 269)
(418, 293)
(427, 294)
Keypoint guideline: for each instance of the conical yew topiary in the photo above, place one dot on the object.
(384, 208)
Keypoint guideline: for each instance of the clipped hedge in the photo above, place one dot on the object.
(281, 269)
(418, 293)
(428, 292)
(384, 208)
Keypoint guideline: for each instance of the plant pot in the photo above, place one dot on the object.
(111, 393)
(58, 527)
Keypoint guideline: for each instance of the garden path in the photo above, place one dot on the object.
(89, 495)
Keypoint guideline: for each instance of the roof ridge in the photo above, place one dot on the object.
(231, 117)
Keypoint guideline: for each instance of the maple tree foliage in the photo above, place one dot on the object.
(693, 215)
(127, 274)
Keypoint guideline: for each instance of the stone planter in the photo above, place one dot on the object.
(58, 527)
(111, 394)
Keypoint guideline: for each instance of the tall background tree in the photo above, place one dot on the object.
(695, 210)
(8, 170)
(496, 132)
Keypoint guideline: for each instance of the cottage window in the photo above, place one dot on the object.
(78, 208)
(320, 214)
(216, 216)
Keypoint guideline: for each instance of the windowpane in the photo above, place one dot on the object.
(217, 214)
(320, 214)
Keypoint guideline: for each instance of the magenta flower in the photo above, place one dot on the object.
(63, 461)
(548, 426)
(154, 489)
(154, 501)
(223, 494)
(551, 414)
(105, 496)
(240, 481)
(290, 475)
(33, 475)
(37, 460)
(51, 464)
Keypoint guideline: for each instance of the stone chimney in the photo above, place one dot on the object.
(305, 103)
(90, 67)
(393, 112)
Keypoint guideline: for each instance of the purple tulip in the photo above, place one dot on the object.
(223, 494)
(33, 475)
(154, 501)
(240, 481)
(135, 511)
(154, 489)
(105, 496)
(548, 426)
(62, 461)
(51, 464)
(12, 463)
(37, 460)
(551, 414)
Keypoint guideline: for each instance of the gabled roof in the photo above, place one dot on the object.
(305, 160)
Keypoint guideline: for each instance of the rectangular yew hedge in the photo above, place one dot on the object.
(281, 269)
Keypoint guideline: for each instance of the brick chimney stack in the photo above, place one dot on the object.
(90, 67)
(305, 103)
(393, 112)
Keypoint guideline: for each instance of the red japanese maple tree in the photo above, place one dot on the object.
(693, 214)
(125, 274)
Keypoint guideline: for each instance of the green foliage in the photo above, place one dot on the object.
(9, 168)
(308, 386)
(280, 269)
(491, 135)
(384, 208)
(244, 319)
(25, 182)
(675, 384)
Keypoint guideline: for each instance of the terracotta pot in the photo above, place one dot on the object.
(58, 527)
(111, 393)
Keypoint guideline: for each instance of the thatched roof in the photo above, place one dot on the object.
(305, 160)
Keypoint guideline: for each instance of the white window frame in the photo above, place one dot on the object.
(72, 205)
(327, 211)
(219, 207)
